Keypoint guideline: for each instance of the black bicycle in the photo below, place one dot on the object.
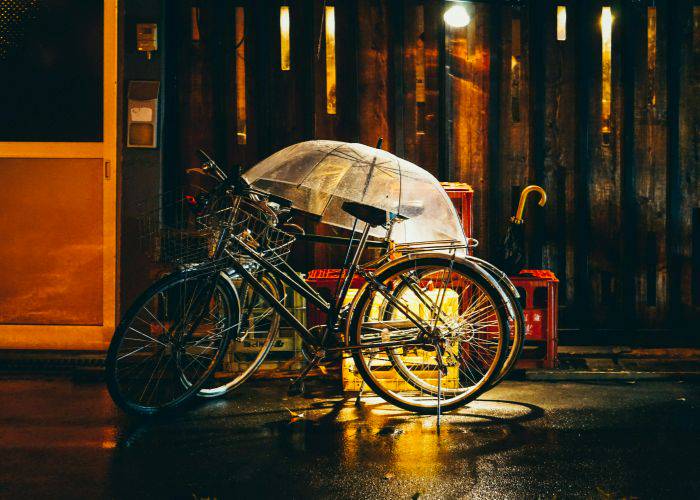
(428, 331)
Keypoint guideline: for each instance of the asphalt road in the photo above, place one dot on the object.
(62, 439)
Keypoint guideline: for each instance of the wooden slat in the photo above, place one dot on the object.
(514, 166)
(467, 81)
(373, 63)
(685, 193)
(585, 32)
(605, 186)
(429, 143)
(559, 159)
(650, 112)
(412, 65)
(537, 112)
(497, 57)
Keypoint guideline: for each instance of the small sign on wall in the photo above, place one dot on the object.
(143, 114)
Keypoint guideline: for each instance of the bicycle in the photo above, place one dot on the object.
(450, 328)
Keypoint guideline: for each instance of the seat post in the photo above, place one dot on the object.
(333, 315)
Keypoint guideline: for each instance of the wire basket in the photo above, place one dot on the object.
(255, 226)
(172, 233)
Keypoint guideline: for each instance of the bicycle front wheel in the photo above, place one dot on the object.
(170, 341)
(468, 334)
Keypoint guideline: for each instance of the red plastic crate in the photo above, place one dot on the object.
(539, 297)
(324, 281)
(461, 195)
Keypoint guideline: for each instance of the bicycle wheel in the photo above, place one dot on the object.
(517, 340)
(249, 346)
(468, 339)
(517, 330)
(170, 341)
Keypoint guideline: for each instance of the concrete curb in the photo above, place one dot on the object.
(580, 375)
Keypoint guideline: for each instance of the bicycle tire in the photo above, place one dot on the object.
(182, 388)
(364, 300)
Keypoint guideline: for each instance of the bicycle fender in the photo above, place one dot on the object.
(485, 271)
(229, 280)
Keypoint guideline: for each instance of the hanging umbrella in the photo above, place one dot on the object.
(318, 176)
(514, 242)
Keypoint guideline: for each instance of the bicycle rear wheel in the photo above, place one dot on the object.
(170, 340)
(517, 331)
(468, 343)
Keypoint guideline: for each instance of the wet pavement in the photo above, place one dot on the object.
(63, 439)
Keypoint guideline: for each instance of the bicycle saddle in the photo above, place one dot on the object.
(371, 215)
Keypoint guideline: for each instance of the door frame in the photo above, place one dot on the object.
(83, 337)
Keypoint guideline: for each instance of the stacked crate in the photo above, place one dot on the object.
(538, 291)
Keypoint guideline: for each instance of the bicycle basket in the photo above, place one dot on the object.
(171, 231)
(255, 227)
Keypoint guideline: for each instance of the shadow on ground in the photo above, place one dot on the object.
(522, 439)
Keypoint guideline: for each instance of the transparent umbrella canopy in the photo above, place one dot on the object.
(318, 176)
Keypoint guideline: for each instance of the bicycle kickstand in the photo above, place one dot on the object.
(441, 369)
(296, 385)
(358, 399)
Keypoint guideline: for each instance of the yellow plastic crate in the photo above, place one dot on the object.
(383, 369)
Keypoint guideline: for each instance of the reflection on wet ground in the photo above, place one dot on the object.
(520, 440)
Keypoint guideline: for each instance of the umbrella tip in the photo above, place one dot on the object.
(379, 142)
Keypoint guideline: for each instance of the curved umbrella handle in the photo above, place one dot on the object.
(523, 197)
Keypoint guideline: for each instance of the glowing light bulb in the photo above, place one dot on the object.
(456, 16)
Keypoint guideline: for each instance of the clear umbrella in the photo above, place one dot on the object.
(318, 176)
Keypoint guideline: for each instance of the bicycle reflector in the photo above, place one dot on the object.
(196, 204)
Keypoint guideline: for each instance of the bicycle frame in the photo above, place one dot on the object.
(286, 274)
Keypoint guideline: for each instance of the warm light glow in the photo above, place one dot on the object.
(195, 24)
(606, 20)
(561, 23)
(285, 57)
(456, 16)
(241, 128)
(420, 70)
(651, 57)
(515, 69)
(330, 60)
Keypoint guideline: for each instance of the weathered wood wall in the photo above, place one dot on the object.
(499, 104)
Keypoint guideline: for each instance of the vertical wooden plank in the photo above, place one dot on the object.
(396, 79)
(496, 77)
(537, 92)
(605, 184)
(514, 166)
(196, 99)
(347, 64)
(444, 103)
(420, 82)
(585, 32)
(429, 141)
(287, 106)
(325, 124)
(412, 94)
(684, 85)
(630, 26)
(172, 33)
(236, 73)
(560, 159)
(374, 95)
(467, 54)
(650, 121)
